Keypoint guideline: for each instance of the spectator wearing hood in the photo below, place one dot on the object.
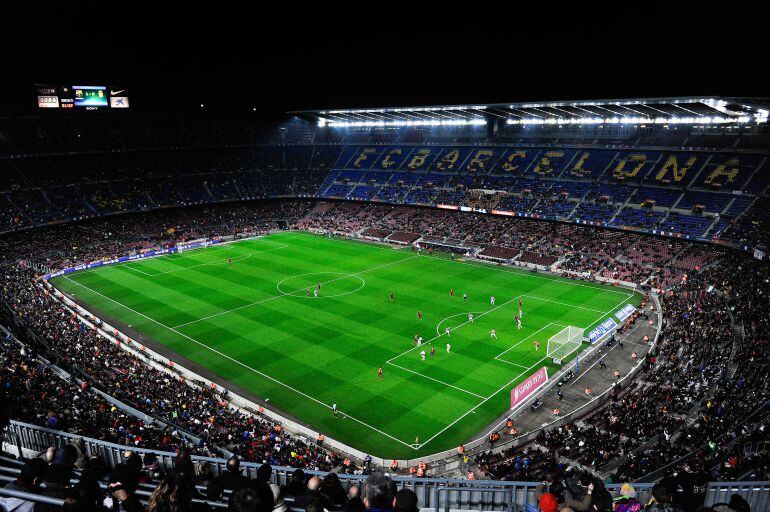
(663, 497)
(626, 500)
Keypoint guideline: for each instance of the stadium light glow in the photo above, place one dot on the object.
(630, 120)
(415, 122)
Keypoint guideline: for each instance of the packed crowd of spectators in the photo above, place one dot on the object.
(700, 402)
(191, 411)
(579, 250)
(139, 483)
(61, 246)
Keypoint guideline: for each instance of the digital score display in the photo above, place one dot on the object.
(81, 97)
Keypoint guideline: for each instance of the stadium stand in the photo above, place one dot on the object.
(80, 190)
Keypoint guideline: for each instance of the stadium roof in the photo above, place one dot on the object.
(680, 110)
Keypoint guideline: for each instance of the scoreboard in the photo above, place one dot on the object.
(81, 97)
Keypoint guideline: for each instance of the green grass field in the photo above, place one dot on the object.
(251, 323)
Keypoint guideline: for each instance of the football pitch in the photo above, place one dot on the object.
(252, 323)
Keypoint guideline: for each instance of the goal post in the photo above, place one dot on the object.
(564, 343)
(192, 244)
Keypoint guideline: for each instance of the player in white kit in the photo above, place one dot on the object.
(493, 334)
(492, 300)
(448, 347)
(422, 355)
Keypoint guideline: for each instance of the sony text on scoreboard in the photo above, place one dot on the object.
(81, 97)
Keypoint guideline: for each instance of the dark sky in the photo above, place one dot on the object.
(305, 68)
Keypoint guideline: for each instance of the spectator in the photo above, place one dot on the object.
(172, 494)
(405, 501)
(354, 503)
(232, 478)
(312, 493)
(548, 503)
(247, 499)
(378, 492)
(626, 500)
(215, 490)
(663, 498)
(332, 490)
(296, 485)
(29, 480)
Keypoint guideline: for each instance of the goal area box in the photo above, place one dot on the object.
(564, 343)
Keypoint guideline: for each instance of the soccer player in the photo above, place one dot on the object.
(465, 297)
(419, 315)
(307, 292)
(448, 347)
(518, 322)
(470, 317)
(537, 345)
(493, 334)
(447, 332)
(492, 300)
(451, 293)
(229, 260)
(379, 373)
(315, 293)
(334, 409)
(318, 286)
(422, 355)
(521, 313)
(391, 296)
(414, 341)
(419, 341)
(432, 351)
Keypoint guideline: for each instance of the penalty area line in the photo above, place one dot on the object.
(229, 358)
(437, 380)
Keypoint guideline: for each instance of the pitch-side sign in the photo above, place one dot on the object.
(529, 386)
(602, 329)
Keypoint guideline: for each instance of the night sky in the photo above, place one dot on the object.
(299, 70)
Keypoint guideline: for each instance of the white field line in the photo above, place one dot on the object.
(456, 327)
(508, 270)
(241, 363)
(513, 380)
(562, 303)
(221, 262)
(211, 248)
(510, 363)
(464, 313)
(129, 268)
(437, 380)
(290, 293)
(482, 402)
(520, 342)
(413, 446)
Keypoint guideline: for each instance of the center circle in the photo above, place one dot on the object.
(333, 284)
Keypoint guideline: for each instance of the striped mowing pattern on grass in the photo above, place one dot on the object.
(252, 323)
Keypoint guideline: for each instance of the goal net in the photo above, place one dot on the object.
(564, 343)
(191, 244)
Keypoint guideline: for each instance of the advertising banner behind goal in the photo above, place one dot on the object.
(529, 386)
